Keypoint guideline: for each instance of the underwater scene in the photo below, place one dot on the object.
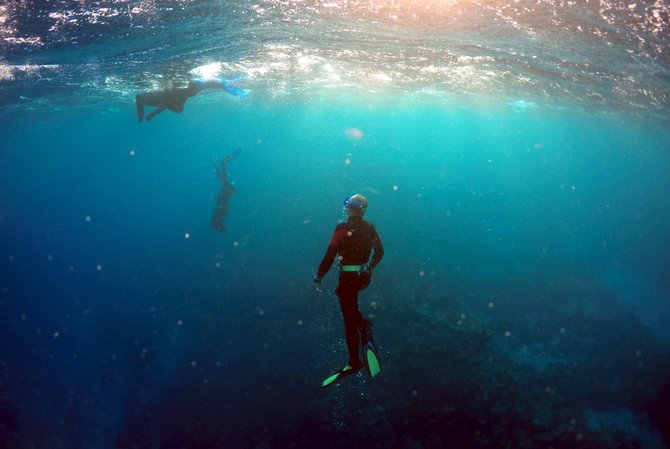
(172, 174)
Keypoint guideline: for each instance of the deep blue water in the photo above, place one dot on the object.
(516, 161)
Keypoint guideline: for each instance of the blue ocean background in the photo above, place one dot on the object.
(515, 157)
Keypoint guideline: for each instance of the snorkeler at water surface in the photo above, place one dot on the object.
(175, 98)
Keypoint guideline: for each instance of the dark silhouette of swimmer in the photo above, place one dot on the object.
(175, 98)
(227, 191)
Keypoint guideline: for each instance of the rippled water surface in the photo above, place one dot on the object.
(596, 55)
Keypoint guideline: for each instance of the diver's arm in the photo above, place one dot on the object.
(326, 263)
(139, 104)
(378, 249)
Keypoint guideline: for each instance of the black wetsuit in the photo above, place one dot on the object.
(353, 241)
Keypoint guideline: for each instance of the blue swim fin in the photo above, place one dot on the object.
(222, 83)
(234, 90)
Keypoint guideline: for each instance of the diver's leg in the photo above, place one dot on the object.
(218, 217)
(348, 294)
(139, 104)
(154, 113)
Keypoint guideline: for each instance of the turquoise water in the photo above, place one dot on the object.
(521, 193)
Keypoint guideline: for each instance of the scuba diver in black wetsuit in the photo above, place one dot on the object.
(227, 191)
(360, 250)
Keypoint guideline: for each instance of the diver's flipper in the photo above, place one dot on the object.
(221, 83)
(234, 90)
(344, 372)
(370, 354)
(236, 152)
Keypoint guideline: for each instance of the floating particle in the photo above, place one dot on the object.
(353, 133)
(347, 161)
(179, 322)
(300, 322)
(421, 273)
(395, 187)
(507, 333)
(132, 153)
(88, 219)
(98, 267)
(217, 265)
(236, 243)
(491, 305)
